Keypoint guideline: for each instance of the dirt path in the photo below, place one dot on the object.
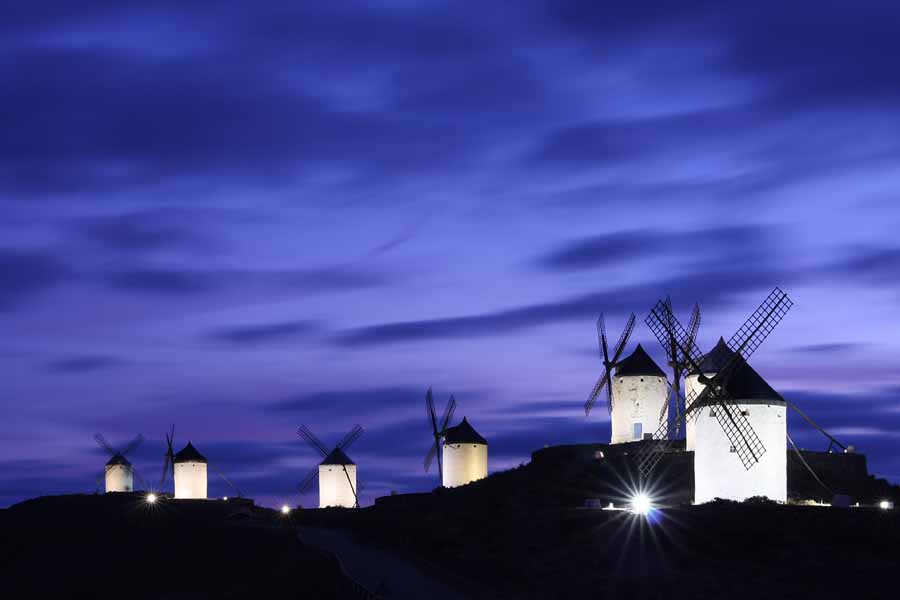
(378, 570)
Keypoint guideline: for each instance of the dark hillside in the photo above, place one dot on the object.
(525, 534)
(116, 545)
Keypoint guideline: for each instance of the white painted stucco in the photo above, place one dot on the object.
(464, 463)
(334, 487)
(637, 399)
(119, 478)
(719, 472)
(190, 480)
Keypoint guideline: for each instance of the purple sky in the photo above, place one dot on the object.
(244, 218)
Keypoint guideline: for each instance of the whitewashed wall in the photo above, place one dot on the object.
(190, 480)
(719, 473)
(464, 463)
(637, 399)
(119, 478)
(334, 488)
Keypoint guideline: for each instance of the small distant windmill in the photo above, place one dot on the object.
(740, 434)
(608, 363)
(437, 431)
(188, 469)
(679, 363)
(336, 474)
(119, 472)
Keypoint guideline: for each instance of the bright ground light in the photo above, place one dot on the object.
(285, 509)
(151, 498)
(641, 504)
(884, 505)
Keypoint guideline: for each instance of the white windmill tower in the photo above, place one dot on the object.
(463, 456)
(636, 394)
(188, 468)
(641, 397)
(118, 473)
(731, 435)
(336, 474)
(715, 474)
(189, 471)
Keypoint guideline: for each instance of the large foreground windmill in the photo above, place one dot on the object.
(336, 474)
(118, 473)
(741, 423)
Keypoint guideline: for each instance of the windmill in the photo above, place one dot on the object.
(679, 363)
(119, 472)
(437, 432)
(608, 363)
(733, 422)
(188, 469)
(336, 474)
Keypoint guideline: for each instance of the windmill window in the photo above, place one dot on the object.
(712, 412)
(732, 449)
(642, 379)
(745, 413)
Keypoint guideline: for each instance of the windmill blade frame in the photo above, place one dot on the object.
(101, 441)
(694, 325)
(737, 428)
(429, 406)
(434, 451)
(595, 392)
(304, 432)
(448, 413)
(605, 380)
(306, 484)
(132, 445)
(623, 339)
(601, 338)
(169, 461)
(429, 458)
(350, 438)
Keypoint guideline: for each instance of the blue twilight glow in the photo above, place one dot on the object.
(241, 217)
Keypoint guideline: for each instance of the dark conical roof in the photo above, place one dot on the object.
(189, 454)
(638, 363)
(337, 457)
(463, 434)
(745, 383)
(716, 358)
(118, 459)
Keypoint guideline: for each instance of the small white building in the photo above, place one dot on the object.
(640, 397)
(119, 474)
(465, 455)
(189, 467)
(337, 480)
(718, 471)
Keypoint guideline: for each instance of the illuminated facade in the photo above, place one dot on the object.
(718, 471)
(190, 474)
(464, 455)
(337, 481)
(119, 474)
(640, 395)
